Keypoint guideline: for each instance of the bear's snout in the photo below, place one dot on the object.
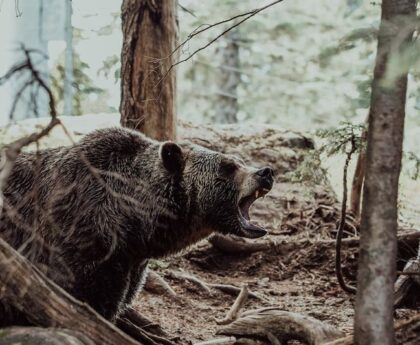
(265, 177)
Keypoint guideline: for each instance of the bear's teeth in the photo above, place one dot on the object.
(257, 193)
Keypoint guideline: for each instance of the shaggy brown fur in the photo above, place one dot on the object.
(92, 215)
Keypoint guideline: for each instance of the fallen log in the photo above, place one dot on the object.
(44, 336)
(45, 304)
(279, 326)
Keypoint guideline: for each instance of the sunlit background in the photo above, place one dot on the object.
(301, 65)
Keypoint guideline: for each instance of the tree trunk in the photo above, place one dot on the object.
(229, 80)
(377, 259)
(148, 101)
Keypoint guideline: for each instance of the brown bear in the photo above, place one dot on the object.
(93, 214)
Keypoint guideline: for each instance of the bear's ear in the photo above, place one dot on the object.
(172, 157)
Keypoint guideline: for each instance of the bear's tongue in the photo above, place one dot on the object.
(248, 229)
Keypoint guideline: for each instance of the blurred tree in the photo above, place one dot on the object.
(377, 258)
(227, 104)
(68, 63)
(81, 82)
(148, 87)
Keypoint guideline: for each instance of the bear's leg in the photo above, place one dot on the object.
(105, 288)
(138, 277)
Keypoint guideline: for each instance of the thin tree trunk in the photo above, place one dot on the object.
(229, 79)
(68, 64)
(358, 179)
(147, 91)
(377, 259)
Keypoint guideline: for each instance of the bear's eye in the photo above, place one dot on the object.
(227, 168)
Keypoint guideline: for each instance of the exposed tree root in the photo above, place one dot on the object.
(143, 322)
(229, 289)
(408, 283)
(157, 285)
(233, 290)
(232, 315)
(278, 327)
(189, 277)
(231, 245)
(140, 334)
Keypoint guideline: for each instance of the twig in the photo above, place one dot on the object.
(218, 341)
(339, 237)
(232, 315)
(247, 15)
(12, 150)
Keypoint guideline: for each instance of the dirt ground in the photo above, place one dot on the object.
(299, 280)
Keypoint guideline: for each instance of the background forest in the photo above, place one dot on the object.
(312, 95)
(299, 66)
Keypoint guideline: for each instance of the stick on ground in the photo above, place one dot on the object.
(240, 301)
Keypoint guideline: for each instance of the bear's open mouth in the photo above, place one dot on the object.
(249, 229)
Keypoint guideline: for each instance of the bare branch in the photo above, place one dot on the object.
(244, 16)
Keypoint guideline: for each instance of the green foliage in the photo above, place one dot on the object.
(338, 140)
(111, 65)
(82, 83)
(310, 170)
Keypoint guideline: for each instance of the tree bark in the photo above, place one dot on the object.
(229, 79)
(377, 259)
(148, 101)
(47, 305)
(44, 336)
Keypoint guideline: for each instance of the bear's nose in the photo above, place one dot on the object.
(266, 172)
(265, 177)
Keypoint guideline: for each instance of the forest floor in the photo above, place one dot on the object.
(298, 278)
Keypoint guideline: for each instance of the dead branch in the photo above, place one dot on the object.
(240, 301)
(339, 237)
(12, 150)
(278, 326)
(246, 16)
